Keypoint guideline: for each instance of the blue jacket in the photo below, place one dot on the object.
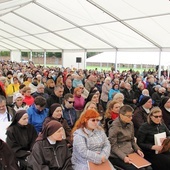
(36, 117)
(70, 115)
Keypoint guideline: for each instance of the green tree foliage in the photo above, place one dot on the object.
(4, 53)
(90, 54)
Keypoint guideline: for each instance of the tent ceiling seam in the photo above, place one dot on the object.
(29, 34)
(77, 26)
(48, 30)
(19, 6)
(125, 24)
(20, 38)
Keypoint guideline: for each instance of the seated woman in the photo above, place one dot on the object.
(111, 114)
(21, 137)
(95, 97)
(89, 141)
(19, 104)
(50, 152)
(121, 136)
(145, 140)
(7, 158)
(79, 101)
(55, 113)
(114, 89)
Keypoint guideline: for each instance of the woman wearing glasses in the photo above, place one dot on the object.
(145, 140)
(89, 141)
(121, 136)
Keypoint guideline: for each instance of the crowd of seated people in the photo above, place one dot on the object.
(80, 110)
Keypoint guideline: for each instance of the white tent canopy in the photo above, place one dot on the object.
(90, 25)
(151, 58)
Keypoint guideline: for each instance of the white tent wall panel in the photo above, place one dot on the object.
(69, 59)
(15, 56)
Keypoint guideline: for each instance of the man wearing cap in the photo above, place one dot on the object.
(141, 112)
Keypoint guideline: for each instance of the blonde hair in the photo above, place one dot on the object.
(88, 104)
(109, 108)
(49, 81)
(153, 110)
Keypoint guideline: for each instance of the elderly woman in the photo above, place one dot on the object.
(105, 92)
(55, 113)
(89, 141)
(145, 140)
(50, 150)
(21, 137)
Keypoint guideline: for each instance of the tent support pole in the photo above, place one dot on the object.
(159, 70)
(45, 57)
(116, 61)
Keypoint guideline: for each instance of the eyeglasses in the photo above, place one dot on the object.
(95, 120)
(157, 116)
(129, 116)
(70, 102)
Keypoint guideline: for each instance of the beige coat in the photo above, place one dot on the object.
(121, 137)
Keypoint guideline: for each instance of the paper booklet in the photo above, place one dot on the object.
(138, 161)
(157, 139)
(103, 166)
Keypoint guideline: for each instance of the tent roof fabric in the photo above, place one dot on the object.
(39, 25)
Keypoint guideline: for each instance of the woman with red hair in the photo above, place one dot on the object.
(90, 143)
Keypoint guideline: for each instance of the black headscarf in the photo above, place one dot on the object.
(163, 101)
(144, 100)
(52, 108)
(17, 117)
(49, 129)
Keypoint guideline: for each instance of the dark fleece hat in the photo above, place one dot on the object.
(49, 129)
(53, 107)
(163, 101)
(144, 100)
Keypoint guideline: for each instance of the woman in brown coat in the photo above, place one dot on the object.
(55, 113)
(50, 152)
